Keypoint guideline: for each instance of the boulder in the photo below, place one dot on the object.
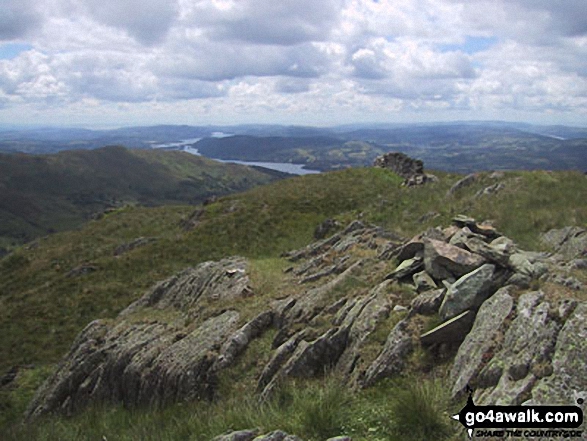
(428, 303)
(481, 340)
(469, 292)
(445, 261)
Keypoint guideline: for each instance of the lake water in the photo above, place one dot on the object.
(187, 146)
(295, 169)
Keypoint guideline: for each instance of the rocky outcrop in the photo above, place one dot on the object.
(137, 243)
(412, 170)
(571, 242)
(160, 350)
(363, 303)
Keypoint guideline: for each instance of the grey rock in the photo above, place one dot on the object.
(302, 359)
(480, 340)
(503, 245)
(520, 280)
(312, 302)
(277, 435)
(392, 359)
(469, 292)
(81, 270)
(414, 248)
(137, 243)
(135, 363)
(340, 438)
(400, 164)
(569, 282)
(451, 331)
(240, 435)
(529, 264)
(524, 355)
(569, 363)
(142, 358)
(462, 183)
(239, 341)
(193, 219)
(423, 282)
(571, 242)
(226, 279)
(489, 253)
(491, 190)
(445, 261)
(428, 303)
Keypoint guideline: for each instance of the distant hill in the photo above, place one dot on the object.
(43, 194)
(462, 148)
(317, 152)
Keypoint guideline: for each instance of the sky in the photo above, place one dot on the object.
(99, 63)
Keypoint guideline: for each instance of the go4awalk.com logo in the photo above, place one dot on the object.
(521, 421)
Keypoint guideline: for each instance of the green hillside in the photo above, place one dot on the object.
(48, 193)
(51, 289)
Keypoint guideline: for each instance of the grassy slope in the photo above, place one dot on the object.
(40, 194)
(41, 309)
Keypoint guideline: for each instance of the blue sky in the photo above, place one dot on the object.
(96, 63)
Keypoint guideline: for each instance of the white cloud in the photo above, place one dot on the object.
(334, 59)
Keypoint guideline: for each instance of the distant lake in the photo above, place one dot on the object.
(286, 167)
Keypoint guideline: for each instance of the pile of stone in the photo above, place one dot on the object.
(412, 170)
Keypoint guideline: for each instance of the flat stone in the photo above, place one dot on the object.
(451, 331)
(407, 268)
(445, 261)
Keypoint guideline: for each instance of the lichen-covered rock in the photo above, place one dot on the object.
(469, 292)
(529, 264)
(361, 320)
(481, 340)
(159, 350)
(135, 363)
(569, 241)
(569, 363)
(524, 355)
(392, 359)
(428, 302)
(226, 279)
